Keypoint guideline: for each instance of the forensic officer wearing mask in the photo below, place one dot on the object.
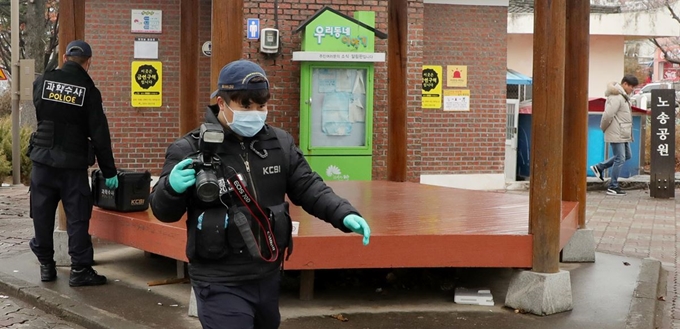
(72, 129)
(231, 177)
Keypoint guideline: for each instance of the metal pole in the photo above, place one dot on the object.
(16, 142)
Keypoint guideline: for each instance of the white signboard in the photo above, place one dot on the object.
(337, 56)
(146, 48)
(146, 21)
(457, 100)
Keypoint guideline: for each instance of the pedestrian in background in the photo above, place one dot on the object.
(617, 125)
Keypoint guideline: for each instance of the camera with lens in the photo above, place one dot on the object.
(206, 163)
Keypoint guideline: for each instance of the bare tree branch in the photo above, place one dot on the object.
(670, 9)
(666, 56)
(52, 55)
(37, 37)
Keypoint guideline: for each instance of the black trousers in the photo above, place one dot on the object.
(72, 187)
(250, 306)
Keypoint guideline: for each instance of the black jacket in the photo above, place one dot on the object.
(69, 112)
(269, 180)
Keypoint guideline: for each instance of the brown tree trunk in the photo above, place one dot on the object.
(35, 33)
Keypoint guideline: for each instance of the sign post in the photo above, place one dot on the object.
(662, 184)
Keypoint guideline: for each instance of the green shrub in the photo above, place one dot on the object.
(6, 149)
(5, 167)
(5, 104)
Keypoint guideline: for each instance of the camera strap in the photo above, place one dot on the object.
(260, 218)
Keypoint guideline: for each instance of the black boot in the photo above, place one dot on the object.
(48, 272)
(85, 276)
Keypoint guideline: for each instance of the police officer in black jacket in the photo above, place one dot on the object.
(239, 231)
(72, 129)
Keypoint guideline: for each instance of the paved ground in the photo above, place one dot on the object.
(630, 226)
(16, 314)
(640, 226)
(15, 230)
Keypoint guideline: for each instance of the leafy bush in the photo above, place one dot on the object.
(5, 104)
(6, 150)
(5, 166)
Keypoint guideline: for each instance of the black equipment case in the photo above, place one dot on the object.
(132, 193)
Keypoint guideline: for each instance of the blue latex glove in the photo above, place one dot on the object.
(112, 183)
(180, 178)
(200, 221)
(358, 225)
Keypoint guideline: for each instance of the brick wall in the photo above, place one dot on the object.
(284, 74)
(139, 135)
(474, 141)
(438, 142)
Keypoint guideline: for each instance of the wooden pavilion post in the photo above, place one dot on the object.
(71, 23)
(71, 27)
(397, 58)
(227, 35)
(188, 65)
(576, 105)
(546, 138)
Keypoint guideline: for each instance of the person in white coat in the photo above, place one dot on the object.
(617, 125)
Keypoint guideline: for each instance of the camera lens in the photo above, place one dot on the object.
(207, 188)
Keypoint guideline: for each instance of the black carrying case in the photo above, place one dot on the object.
(131, 195)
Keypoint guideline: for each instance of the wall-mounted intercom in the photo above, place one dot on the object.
(269, 41)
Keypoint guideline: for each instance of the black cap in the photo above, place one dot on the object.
(237, 75)
(78, 48)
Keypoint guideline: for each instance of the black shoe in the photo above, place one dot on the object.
(86, 276)
(597, 172)
(48, 272)
(615, 191)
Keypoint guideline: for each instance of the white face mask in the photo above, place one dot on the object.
(246, 123)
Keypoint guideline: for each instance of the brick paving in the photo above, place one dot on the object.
(16, 314)
(640, 226)
(16, 229)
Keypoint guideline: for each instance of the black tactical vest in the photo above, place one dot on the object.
(61, 110)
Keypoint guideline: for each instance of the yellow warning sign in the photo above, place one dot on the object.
(456, 76)
(147, 84)
(3, 76)
(432, 87)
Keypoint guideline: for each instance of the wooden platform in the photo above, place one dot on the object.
(412, 225)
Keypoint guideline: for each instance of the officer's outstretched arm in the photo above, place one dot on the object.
(306, 189)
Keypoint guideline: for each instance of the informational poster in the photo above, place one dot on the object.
(432, 87)
(457, 100)
(146, 21)
(456, 76)
(338, 108)
(147, 84)
(146, 48)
